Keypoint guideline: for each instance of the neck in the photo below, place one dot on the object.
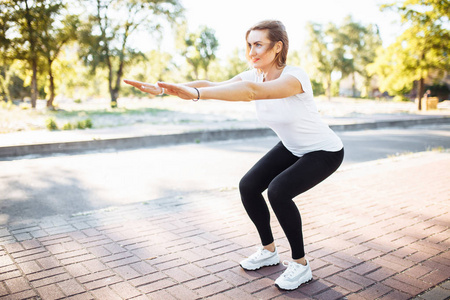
(272, 73)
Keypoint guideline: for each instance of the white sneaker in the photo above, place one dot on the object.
(262, 258)
(294, 276)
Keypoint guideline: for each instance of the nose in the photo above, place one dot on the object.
(252, 51)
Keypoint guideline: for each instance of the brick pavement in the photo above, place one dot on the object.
(376, 230)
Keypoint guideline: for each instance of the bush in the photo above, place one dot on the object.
(68, 126)
(84, 124)
(50, 123)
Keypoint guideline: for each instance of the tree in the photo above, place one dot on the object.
(199, 50)
(326, 52)
(422, 48)
(360, 43)
(25, 16)
(6, 49)
(106, 34)
(53, 38)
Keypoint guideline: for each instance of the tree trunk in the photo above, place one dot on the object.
(34, 89)
(329, 86)
(52, 86)
(420, 92)
(354, 85)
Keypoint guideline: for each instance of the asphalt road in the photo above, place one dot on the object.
(32, 188)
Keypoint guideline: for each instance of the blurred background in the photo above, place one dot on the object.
(62, 62)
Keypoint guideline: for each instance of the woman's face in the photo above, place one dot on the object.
(260, 54)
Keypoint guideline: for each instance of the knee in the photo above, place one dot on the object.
(276, 193)
(249, 187)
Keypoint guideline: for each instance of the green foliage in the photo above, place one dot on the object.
(199, 50)
(50, 123)
(105, 41)
(84, 124)
(67, 126)
(422, 48)
(338, 51)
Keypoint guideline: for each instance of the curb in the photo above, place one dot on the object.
(152, 141)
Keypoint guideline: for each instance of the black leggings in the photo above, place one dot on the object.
(285, 176)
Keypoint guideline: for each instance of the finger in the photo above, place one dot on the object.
(134, 83)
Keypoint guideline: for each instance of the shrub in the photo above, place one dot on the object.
(67, 126)
(50, 123)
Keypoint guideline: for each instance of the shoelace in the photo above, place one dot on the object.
(291, 269)
(258, 253)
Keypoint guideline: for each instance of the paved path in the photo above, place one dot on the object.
(374, 230)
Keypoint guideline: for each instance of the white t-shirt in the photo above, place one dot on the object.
(295, 119)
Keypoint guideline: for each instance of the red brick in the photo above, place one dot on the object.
(375, 291)
(125, 290)
(401, 286)
(143, 280)
(178, 275)
(327, 271)
(160, 295)
(83, 296)
(435, 277)
(381, 274)
(48, 262)
(181, 292)
(329, 294)
(365, 268)
(45, 273)
(50, 280)
(77, 270)
(77, 259)
(237, 293)
(360, 280)
(143, 268)
(30, 244)
(102, 282)
(70, 287)
(418, 271)
(94, 265)
(396, 295)
(5, 260)
(232, 277)
(3, 290)
(95, 276)
(203, 281)
(22, 295)
(344, 283)
(30, 267)
(50, 292)
(257, 285)
(220, 267)
(126, 272)
(16, 285)
(157, 285)
(99, 251)
(105, 293)
(214, 288)
(14, 247)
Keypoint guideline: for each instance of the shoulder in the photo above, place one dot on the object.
(300, 75)
(249, 75)
(296, 71)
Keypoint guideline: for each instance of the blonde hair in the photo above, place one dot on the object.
(276, 32)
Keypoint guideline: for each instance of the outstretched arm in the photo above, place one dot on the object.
(282, 87)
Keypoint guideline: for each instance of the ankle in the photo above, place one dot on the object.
(301, 261)
(270, 247)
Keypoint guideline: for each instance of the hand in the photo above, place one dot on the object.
(179, 90)
(145, 87)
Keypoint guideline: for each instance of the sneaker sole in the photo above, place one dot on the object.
(254, 269)
(294, 288)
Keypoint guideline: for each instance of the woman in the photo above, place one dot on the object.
(309, 151)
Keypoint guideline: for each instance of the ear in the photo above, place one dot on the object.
(279, 46)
